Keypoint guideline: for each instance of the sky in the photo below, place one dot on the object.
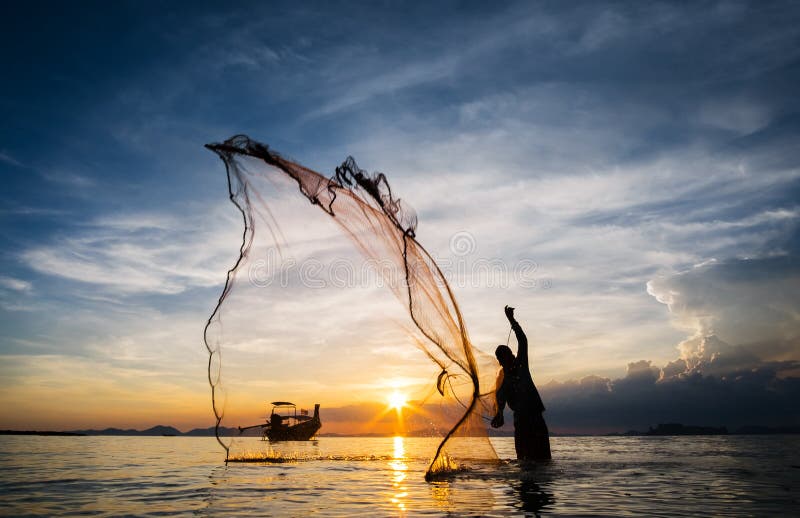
(627, 171)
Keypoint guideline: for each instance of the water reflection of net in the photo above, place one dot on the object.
(383, 229)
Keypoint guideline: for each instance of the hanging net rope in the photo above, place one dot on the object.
(383, 230)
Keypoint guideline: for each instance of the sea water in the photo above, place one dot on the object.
(612, 476)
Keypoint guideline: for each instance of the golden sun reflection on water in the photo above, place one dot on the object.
(399, 474)
(399, 449)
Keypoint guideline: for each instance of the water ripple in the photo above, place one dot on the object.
(155, 476)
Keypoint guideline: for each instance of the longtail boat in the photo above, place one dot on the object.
(285, 424)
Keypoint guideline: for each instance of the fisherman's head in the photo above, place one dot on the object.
(504, 355)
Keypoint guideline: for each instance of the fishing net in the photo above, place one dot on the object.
(384, 231)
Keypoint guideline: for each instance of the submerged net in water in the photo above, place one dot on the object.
(384, 230)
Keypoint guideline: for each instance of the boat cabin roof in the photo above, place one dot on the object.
(282, 403)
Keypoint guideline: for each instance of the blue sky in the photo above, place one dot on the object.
(643, 155)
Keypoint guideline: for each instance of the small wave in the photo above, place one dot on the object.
(279, 458)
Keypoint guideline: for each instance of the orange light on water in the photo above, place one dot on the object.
(399, 469)
(399, 449)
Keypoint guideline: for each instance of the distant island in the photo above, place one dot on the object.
(32, 432)
(679, 429)
(155, 431)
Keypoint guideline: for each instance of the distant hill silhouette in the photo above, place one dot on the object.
(33, 432)
(680, 429)
(160, 430)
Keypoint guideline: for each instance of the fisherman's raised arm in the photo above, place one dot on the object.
(522, 340)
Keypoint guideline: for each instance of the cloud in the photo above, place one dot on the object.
(67, 178)
(738, 366)
(15, 284)
(384, 84)
(142, 252)
(642, 370)
(742, 116)
(8, 159)
(753, 380)
(647, 395)
(749, 303)
(15, 295)
(361, 412)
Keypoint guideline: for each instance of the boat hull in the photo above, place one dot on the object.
(299, 432)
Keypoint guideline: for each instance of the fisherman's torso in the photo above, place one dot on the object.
(519, 391)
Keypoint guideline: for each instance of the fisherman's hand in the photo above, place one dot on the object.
(498, 420)
(509, 313)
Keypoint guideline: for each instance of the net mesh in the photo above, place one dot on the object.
(383, 230)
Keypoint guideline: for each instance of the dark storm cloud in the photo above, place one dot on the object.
(648, 395)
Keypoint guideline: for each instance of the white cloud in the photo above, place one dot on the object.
(8, 159)
(603, 29)
(143, 253)
(741, 116)
(744, 310)
(15, 284)
(68, 178)
(414, 74)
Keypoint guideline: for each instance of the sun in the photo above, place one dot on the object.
(397, 400)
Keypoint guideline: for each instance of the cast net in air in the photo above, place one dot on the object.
(384, 231)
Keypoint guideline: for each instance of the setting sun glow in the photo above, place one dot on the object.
(397, 400)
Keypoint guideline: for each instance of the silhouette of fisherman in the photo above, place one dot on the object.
(515, 387)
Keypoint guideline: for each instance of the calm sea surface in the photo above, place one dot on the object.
(654, 476)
